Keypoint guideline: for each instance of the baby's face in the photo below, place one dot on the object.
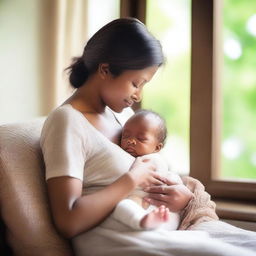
(139, 136)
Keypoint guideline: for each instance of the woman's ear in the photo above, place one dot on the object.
(159, 147)
(103, 70)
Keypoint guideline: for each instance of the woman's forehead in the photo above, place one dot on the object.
(142, 74)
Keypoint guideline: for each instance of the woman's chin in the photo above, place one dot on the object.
(117, 109)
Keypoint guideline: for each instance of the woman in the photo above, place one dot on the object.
(116, 63)
(87, 172)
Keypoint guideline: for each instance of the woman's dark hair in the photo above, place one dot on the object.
(125, 44)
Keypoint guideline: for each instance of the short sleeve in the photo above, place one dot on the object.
(63, 144)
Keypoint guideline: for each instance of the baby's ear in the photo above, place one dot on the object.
(159, 147)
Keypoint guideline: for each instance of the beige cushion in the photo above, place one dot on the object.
(23, 197)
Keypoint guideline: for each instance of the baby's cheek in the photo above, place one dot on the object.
(122, 143)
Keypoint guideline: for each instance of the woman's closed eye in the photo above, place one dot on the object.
(135, 85)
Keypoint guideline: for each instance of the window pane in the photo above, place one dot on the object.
(239, 90)
(169, 91)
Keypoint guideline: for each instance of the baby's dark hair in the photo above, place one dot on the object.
(124, 44)
(162, 132)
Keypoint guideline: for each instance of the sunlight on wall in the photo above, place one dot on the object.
(19, 51)
(28, 45)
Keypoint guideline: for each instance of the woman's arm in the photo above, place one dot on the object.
(74, 213)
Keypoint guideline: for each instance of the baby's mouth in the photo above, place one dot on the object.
(131, 151)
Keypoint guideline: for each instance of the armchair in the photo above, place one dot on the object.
(26, 225)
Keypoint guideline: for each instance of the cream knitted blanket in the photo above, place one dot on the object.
(200, 208)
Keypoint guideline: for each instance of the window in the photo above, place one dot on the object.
(206, 102)
(206, 125)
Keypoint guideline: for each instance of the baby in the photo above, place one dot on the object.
(144, 135)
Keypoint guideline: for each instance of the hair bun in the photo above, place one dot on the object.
(78, 73)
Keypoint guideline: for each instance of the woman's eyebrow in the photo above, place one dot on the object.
(144, 80)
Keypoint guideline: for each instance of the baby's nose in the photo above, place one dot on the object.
(131, 141)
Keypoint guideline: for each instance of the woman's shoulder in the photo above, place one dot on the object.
(65, 115)
(64, 119)
(65, 112)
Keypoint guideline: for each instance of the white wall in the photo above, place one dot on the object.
(19, 66)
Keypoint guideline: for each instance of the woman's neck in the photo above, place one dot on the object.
(86, 99)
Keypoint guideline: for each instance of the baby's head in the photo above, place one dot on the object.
(144, 133)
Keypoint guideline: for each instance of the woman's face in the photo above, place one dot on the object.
(122, 91)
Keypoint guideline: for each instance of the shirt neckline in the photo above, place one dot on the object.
(92, 126)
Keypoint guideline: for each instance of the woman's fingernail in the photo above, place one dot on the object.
(146, 189)
(147, 199)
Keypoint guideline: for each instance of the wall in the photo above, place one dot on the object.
(38, 39)
(19, 66)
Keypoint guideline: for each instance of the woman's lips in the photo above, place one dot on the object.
(128, 103)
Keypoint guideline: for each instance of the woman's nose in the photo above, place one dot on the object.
(137, 96)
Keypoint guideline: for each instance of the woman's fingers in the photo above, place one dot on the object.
(175, 197)
(158, 197)
(157, 182)
(164, 189)
(168, 181)
(158, 179)
(155, 202)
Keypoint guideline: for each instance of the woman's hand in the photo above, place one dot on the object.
(143, 173)
(172, 195)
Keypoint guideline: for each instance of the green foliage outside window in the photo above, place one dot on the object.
(169, 91)
(239, 89)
